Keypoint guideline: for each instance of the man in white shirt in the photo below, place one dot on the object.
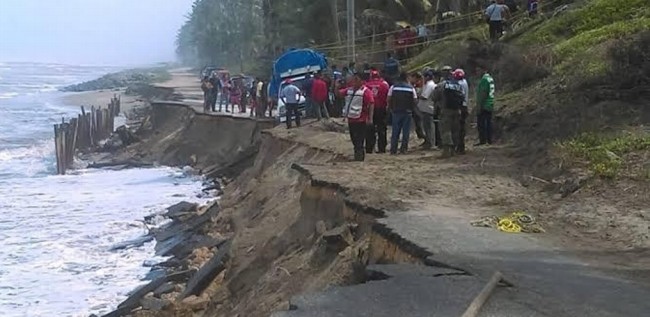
(290, 95)
(425, 105)
(496, 13)
(260, 104)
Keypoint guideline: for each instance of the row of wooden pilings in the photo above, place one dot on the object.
(83, 132)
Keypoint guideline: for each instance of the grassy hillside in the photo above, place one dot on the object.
(573, 87)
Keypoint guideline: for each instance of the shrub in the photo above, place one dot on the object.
(630, 62)
(595, 14)
(603, 154)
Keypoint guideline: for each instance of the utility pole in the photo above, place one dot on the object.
(351, 48)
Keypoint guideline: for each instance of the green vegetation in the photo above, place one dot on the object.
(449, 50)
(593, 15)
(579, 37)
(604, 154)
(126, 78)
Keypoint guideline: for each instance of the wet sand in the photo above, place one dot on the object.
(101, 98)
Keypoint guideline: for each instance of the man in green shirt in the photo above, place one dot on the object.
(485, 106)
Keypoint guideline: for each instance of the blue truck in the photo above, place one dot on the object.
(296, 65)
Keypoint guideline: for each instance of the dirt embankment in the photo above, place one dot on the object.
(299, 216)
(286, 234)
(174, 134)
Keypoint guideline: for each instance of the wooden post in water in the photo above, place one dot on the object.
(59, 166)
(93, 125)
(83, 132)
(64, 158)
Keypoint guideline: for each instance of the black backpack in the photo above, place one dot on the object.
(454, 96)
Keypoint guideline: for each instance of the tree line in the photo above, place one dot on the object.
(249, 33)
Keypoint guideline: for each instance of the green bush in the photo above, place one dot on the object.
(587, 39)
(595, 14)
(603, 154)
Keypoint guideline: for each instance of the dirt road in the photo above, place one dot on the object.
(433, 202)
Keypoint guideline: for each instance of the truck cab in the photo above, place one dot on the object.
(299, 82)
(296, 65)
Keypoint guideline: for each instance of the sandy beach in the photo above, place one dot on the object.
(101, 98)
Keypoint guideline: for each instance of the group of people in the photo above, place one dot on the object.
(434, 103)
(234, 92)
(437, 101)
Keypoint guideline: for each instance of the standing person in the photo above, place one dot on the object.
(260, 106)
(391, 68)
(306, 89)
(401, 103)
(290, 95)
(235, 94)
(206, 86)
(319, 95)
(226, 85)
(416, 81)
(252, 92)
(426, 110)
(270, 101)
(485, 106)
(243, 93)
(216, 88)
(533, 6)
(459, 74)
(449, 94)
(445, 72)
(496, 14)
(376, 133)
(359, 112)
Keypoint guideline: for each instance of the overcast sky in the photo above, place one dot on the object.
(100, 32)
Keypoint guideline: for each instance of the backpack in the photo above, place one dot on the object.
(454, 96)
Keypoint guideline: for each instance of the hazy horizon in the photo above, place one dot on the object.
(90, 32)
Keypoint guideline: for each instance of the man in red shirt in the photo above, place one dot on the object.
(319, 96)
(359, 112)
(376, 133)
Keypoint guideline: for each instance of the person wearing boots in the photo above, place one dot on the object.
(484, 106)
(449, 94)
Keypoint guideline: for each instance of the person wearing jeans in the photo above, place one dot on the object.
(485, 106)
(290, 95)
(402, 99)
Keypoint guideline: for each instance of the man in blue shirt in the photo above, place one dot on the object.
(290, 95)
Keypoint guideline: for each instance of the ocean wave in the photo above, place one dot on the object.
(29, 161)
(8, 95)
(39, 150)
